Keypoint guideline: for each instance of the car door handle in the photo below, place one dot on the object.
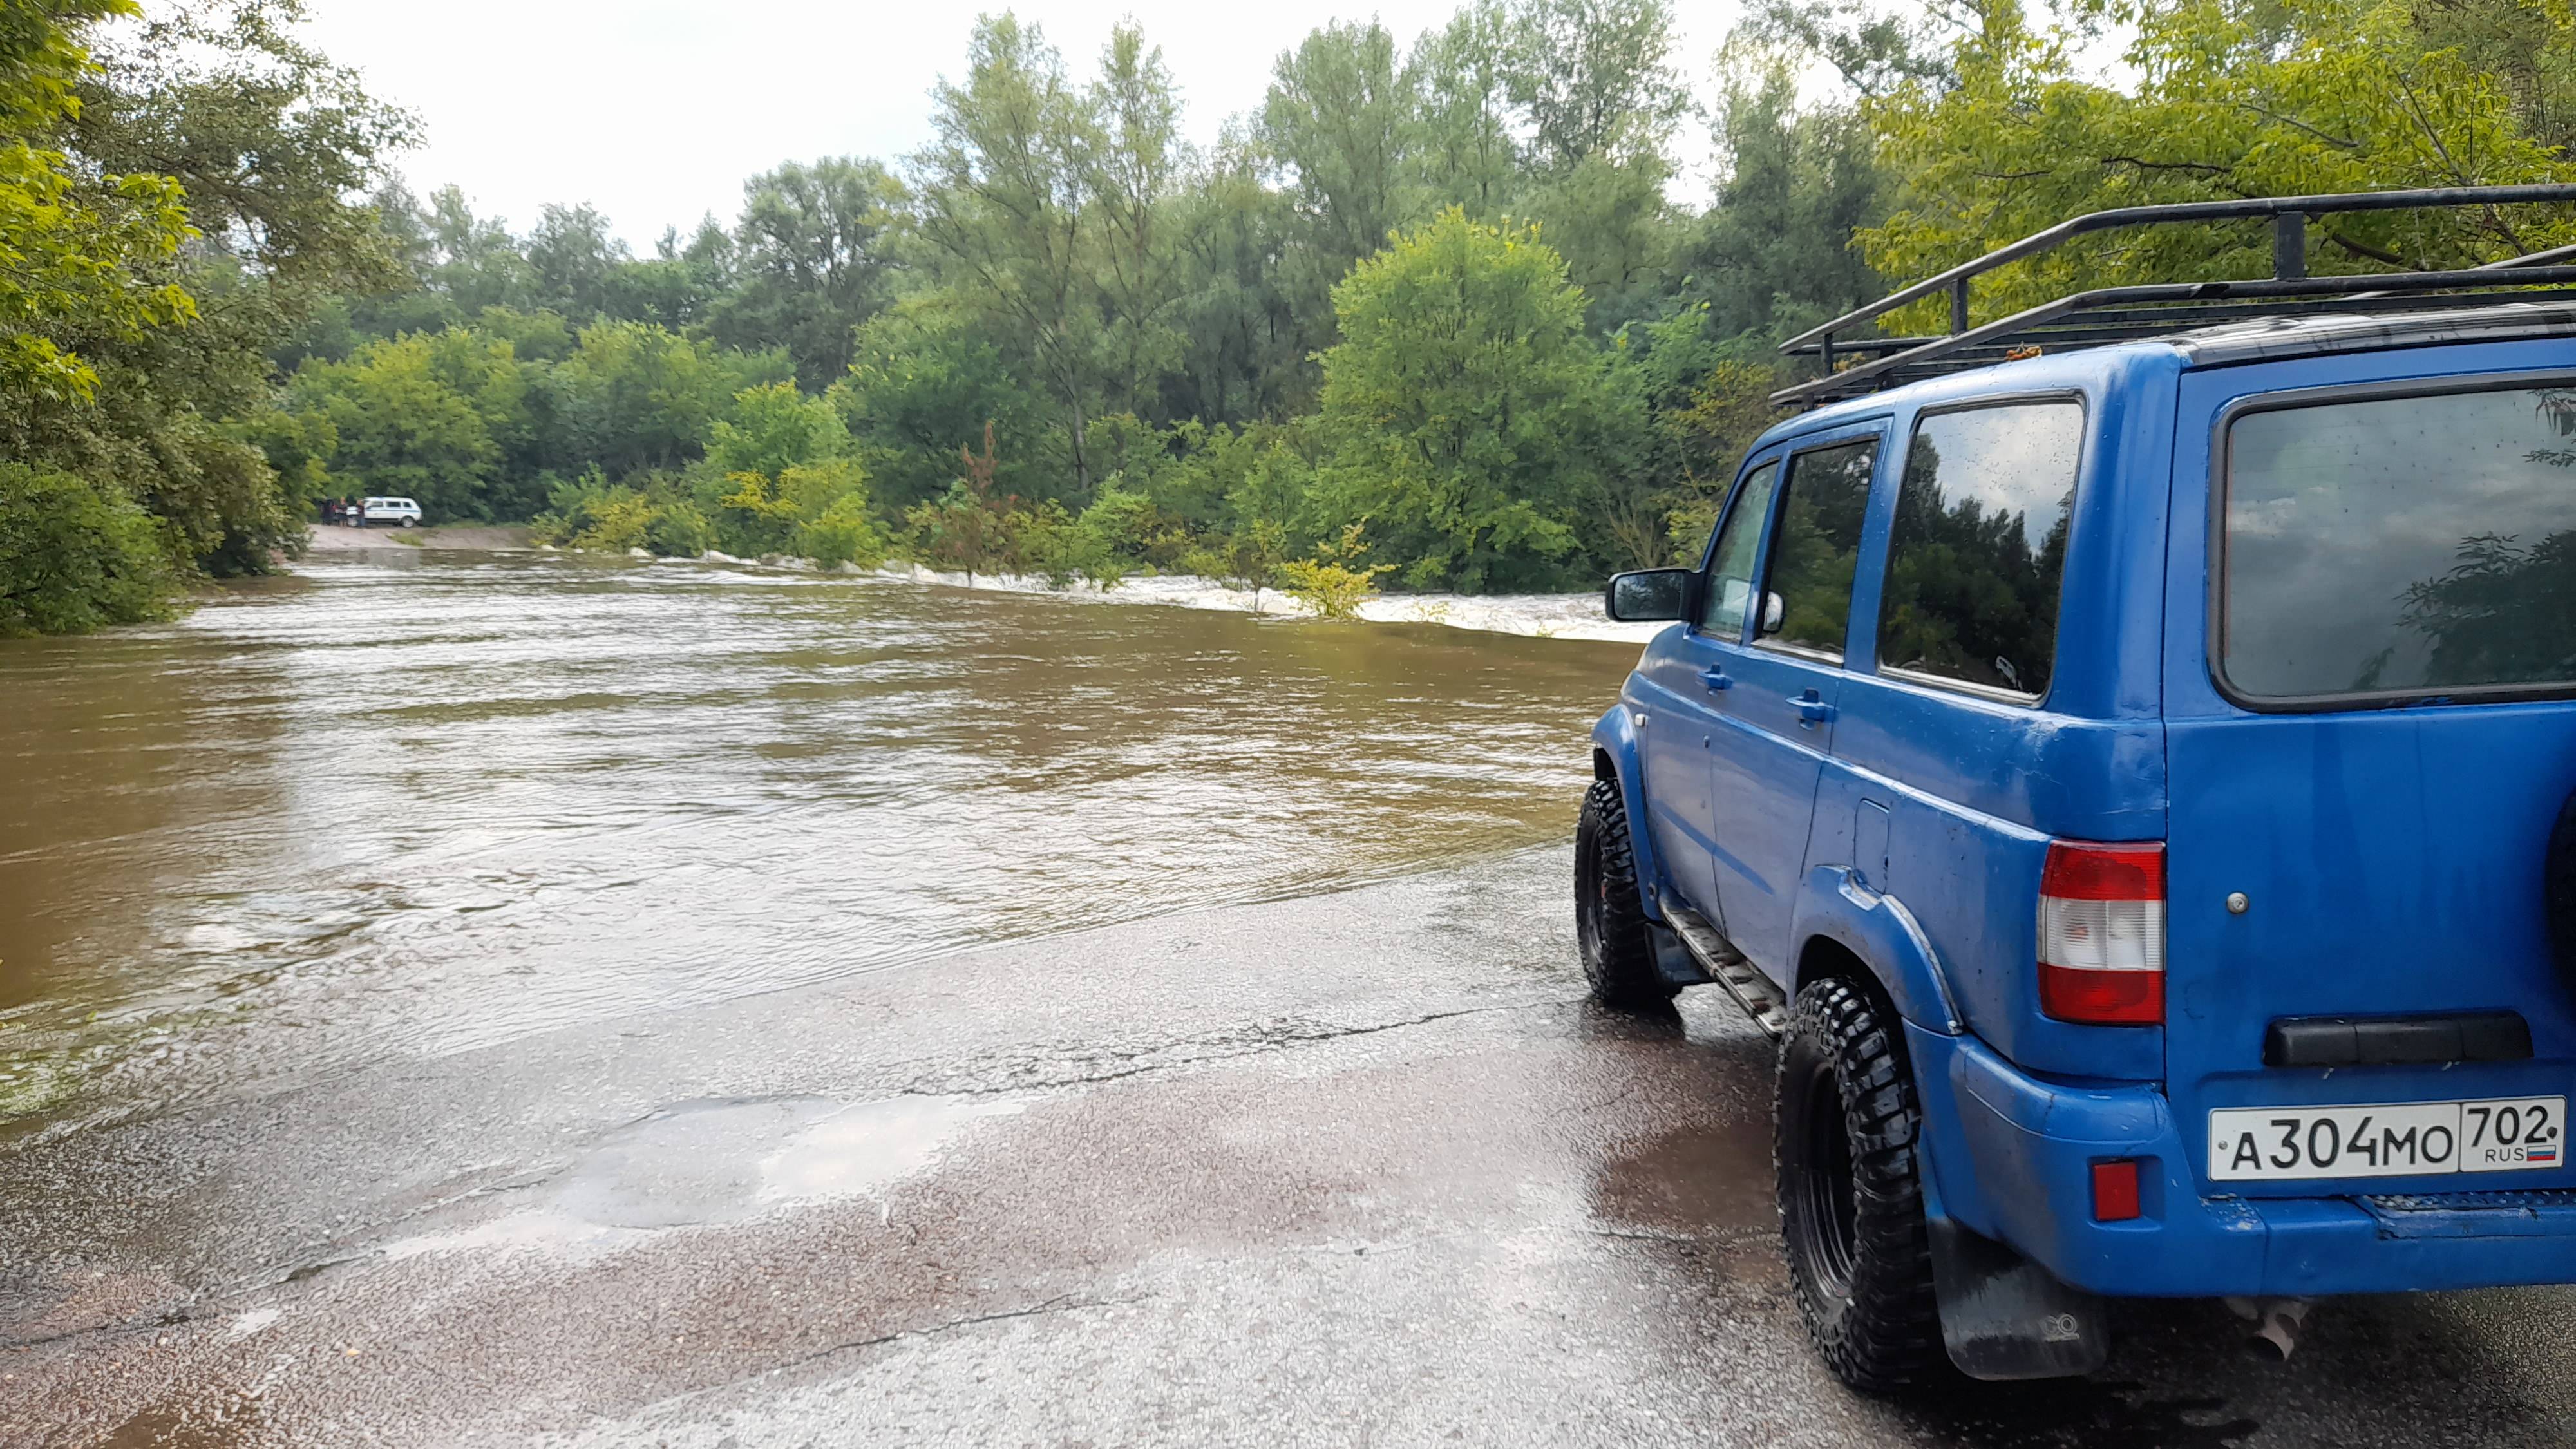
(1812, 710)
(1715, 678)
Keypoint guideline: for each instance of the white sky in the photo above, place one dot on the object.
(656, 110)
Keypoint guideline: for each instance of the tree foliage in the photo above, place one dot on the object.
(2233, 98)
(1462, 402)
(1443, 311)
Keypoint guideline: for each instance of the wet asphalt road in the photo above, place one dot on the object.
(1358, 1168)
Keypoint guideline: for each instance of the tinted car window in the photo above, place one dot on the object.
(1729, 596)
(2402, 544)
(1979, 545)
(1817, 543)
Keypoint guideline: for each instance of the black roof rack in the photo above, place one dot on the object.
(2122, 314)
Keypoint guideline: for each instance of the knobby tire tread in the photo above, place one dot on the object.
(1618, 952)
(1887, 1335)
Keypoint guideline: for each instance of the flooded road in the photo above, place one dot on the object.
(408, 806)
(492, 1047)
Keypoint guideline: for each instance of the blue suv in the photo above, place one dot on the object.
(2123, 751)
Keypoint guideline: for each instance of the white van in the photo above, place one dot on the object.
(389, 510)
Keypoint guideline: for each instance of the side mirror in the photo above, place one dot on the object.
(1775, 612)
(1648, 595)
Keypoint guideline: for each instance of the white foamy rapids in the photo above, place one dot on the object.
(1545, 616)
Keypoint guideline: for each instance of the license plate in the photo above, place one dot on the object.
(2406, 1139)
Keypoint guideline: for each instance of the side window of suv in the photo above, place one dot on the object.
(1729, 596)
(1817, 545)
(1979, 544)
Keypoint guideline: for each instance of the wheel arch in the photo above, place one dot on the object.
(1614, 757)
(1845, 930)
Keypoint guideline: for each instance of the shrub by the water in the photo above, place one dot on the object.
(74, 558)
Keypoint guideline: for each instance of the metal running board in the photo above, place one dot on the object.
(1755, 992)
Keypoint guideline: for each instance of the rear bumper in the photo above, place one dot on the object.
(2011, 1157)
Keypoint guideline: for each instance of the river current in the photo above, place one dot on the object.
(408, 803)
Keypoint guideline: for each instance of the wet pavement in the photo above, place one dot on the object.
(812, 1013)
(1359, 1168)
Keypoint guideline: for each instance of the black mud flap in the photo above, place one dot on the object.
(1673, 960)
(2006, 1317)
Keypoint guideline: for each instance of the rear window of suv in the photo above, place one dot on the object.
(2401, 547)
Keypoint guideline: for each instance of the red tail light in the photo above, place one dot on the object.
(2102, 934)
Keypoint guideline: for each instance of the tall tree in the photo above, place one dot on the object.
(1041, 207)
(1594, 85)
(572, 255)
(1000, 198)
(474, 260)
(1130, 183)
(1799, 182)
(812, 259)
(1595, 79)
(1465, 153)
(1338, 117)
(1247, 345)
(267, 142)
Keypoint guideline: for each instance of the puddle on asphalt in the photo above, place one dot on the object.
(1695, 1180)
(707, 1163)
(187, 1426)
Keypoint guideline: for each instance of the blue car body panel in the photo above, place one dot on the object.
(2390, 854)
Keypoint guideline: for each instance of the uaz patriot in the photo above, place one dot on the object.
(2123, 752)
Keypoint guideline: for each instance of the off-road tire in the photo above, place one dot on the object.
(1609, 912)
(1845, 1126)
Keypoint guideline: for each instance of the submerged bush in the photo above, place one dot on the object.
(845, 534)
(1330, 583)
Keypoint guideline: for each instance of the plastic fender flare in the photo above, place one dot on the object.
(1879, 930)
(1614, 738)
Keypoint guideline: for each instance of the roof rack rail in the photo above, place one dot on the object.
(2120, 314)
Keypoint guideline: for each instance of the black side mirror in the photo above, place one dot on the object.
(1648, 595)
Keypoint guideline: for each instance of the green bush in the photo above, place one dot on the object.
(845, 534)
(74, 558)
(594, 514)
(1331, 583)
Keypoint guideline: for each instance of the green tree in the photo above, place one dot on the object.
(1465, 153)
(427, 417)
(86, 252)
(1594, 84)
(925, 384)
(2232, 99)
(1464, 404)
(1000, 195)
(772, 428)
(572, 257)
(1339, 118)
(1775, 254)
(634, 397)
(811, 260)
(126, 360)
(1042, 211)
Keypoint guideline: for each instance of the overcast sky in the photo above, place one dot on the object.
(655, 110)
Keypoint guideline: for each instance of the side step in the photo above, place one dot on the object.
(1755, 992)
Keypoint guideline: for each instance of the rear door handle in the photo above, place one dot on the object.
(1715, 678)
(1812, 710)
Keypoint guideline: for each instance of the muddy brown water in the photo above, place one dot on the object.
(410, 803)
